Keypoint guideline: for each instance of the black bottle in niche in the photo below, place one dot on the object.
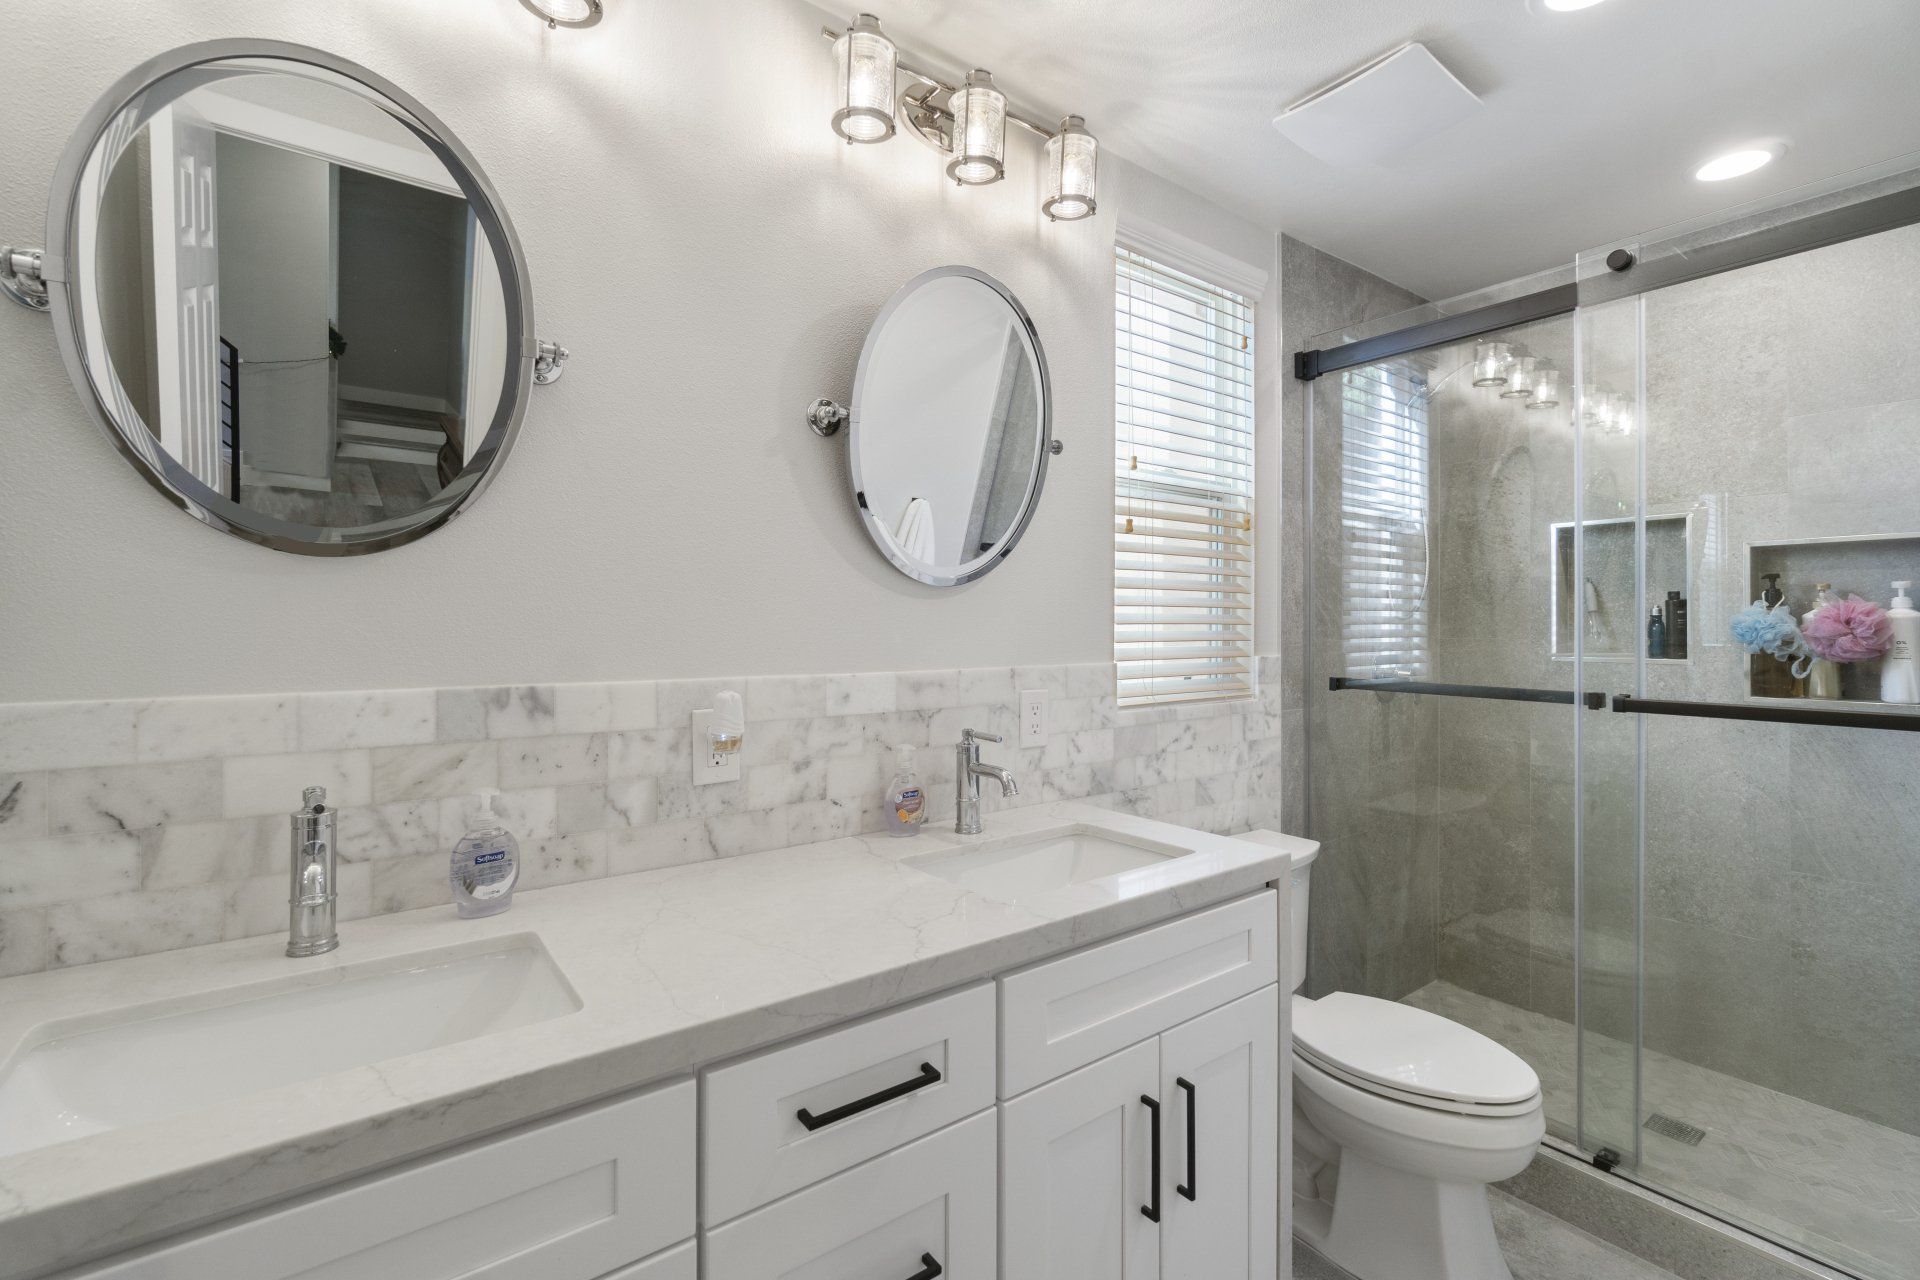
(1656, 635)
(1676, 620)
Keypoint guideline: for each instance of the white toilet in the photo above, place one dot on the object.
(1400, 1120)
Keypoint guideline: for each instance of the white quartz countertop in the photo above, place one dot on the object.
(674, 968)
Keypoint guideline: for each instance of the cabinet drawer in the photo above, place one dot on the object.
(755, 1144)
(675, 1264)
(1059, 1015)
(931, 1202)
(571, 1199)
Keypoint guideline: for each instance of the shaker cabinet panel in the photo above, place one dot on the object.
(786, 1118)
(1061, 1014)
(675, 1264)
(1076, 1173)
(567, 1199)
(926, 1209)
(1220, 1179)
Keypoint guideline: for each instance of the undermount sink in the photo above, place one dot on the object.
(1023, 867)
(153, 1061)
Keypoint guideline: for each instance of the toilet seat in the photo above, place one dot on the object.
(1396, 1051)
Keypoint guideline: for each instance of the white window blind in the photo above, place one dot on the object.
(1183, 486)
(1384, 512)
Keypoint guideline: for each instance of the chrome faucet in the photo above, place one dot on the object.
(312, 893)
(967, 772)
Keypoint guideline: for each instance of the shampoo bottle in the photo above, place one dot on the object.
(486, 864)
(1823, 679)
(1656, 635)
(1900, 670)
(906, 798)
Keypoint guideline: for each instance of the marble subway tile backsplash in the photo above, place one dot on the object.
(140, 826)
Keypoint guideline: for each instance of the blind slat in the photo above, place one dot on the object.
(1384, 511)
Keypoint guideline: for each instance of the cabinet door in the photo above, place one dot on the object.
(675, 1264)
(923, 1210)
(1219, 1081)
(1076, 1171)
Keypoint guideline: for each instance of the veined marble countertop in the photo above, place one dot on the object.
(675, 968)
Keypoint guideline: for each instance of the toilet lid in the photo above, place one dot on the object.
(1409, 1049)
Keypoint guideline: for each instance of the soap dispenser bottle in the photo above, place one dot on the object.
(1900, 670)
(486, 863)
(906, 798)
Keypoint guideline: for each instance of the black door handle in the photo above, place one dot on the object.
(1151, 1210)
(1191, 1188)
(928, 1268)
(929, 1074)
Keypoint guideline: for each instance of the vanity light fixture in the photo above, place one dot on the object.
(565, 13)
(1073, 165)
(1569, 6)
(866, 61)
(1490, 363)
(966, 123)
(979, 131)
(1546, 390)
(1520, 378)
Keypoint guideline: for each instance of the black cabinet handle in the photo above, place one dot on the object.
(928, 1268)
(1190, 1189)
(929, 1074)
(1151, 1211)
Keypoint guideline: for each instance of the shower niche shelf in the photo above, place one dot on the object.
(1604, 602)
(1866, 565)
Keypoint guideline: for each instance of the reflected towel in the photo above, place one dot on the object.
(915, 532)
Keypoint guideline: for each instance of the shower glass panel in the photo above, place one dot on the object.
(1700, 927)
(1779, 1078)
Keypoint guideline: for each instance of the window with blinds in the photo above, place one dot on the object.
(1182, 486)
(1385, 552)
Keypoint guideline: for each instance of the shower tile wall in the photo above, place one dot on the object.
(1782, 863)
(1371, 929)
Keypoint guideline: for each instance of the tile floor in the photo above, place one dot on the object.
(1538, 1246)
(1842, 1188)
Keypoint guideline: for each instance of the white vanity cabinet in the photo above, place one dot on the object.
(573, 1199)
(1160, 1159)
(1107, 1114)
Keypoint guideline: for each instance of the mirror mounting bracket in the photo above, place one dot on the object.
(22, 277)
(825, 417)
(548, 361)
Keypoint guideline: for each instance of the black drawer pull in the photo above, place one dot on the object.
(1152, 1211)
(928, 1268)
(929, 1074)
(1191, 1188)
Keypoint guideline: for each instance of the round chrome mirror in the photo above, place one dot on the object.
(950, 428)
(290, 297)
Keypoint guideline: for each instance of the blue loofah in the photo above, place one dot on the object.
(1772, 631)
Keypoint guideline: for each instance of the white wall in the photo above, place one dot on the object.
(712, 255)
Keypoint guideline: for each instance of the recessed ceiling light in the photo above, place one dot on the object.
(566, 13)
(1735, 163)
(1568, 6)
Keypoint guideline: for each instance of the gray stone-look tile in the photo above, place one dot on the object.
(431, 772)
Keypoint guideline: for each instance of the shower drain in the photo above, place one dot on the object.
(1678, 1130)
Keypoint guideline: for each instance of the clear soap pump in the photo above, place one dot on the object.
(486, 863)
(906, 798)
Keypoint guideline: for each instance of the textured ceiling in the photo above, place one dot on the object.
(1593, 124)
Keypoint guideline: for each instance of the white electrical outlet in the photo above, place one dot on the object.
(710, 766)
(1033, 717)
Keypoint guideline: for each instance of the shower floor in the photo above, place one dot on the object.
(1844, 1189)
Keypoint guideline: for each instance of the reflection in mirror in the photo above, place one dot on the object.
(292, 301)
(950, 426)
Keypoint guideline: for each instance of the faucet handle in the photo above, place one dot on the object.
(974, 735)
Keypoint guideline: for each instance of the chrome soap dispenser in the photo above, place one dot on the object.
(311, 891)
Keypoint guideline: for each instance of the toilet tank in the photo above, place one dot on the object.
(1303, 853)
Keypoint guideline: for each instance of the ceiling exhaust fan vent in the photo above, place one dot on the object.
(1378, 110)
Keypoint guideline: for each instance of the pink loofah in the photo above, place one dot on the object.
(1850, 630)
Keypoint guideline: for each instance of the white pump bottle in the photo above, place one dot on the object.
(1900, 671)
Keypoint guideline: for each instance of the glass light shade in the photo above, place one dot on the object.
(865, 62)
(1520, 378)
(566, 13)
(1546, 390)
(979, 132)
(1073, 159)
(1490, 363)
